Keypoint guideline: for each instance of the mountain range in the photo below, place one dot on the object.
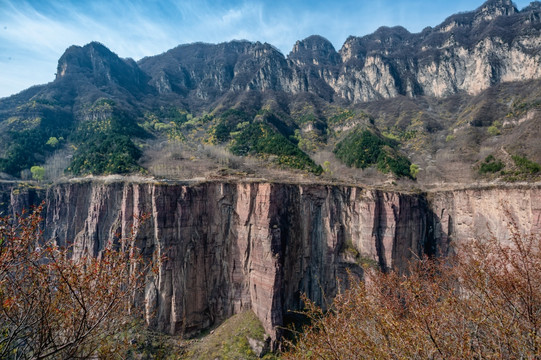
(447, 100)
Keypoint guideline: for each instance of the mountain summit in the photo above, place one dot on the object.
(100, 66)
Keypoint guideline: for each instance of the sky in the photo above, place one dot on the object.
(35, 33)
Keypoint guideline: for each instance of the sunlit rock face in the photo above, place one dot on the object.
(468, 52)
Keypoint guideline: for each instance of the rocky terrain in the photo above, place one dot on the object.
(268, 176)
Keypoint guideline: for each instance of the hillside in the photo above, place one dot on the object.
(457, 103)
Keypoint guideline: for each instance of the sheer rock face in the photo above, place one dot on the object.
(228, 247)
(468, 215)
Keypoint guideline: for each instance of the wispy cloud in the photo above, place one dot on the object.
(35, 33)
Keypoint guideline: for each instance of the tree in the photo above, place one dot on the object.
(55, 306)
(485, 302)
(414, 170)
(38, 172)
(52, 142)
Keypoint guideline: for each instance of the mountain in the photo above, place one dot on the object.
(444, 99)
(266, 176)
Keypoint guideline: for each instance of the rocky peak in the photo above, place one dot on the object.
(493, 9)
(385, 40)
(314, 50)
(95, 62)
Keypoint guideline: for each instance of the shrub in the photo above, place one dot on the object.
(38, 172)
(52, 142)
(491, 167)
(58, 307)
(493, 130)
(526, 165)
(414, 170)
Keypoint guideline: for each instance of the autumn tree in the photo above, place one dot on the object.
(483, 302)
(55, 306)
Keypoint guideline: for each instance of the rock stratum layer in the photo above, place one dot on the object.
(235, 246)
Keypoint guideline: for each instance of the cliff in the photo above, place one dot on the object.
(235, 246)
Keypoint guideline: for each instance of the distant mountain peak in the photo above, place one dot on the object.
(102, 67)
(314, 50)
(77, 59)
(492, 9)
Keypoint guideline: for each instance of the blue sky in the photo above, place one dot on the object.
(34, 34)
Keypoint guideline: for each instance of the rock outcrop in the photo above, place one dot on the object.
(235, 246)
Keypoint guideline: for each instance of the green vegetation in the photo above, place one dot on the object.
(229, 121)
(106, 154)
(261, 139)
(363, 148)
(52, 142)
(105, 147)
(342, 116)
(490, 165)
(363, 261)
(523, 168)
(519, 108)
(327, 167)
(230, 340)
(28, 137)
(525, 165)
(38, 172)
(494, 129)
(414, 170)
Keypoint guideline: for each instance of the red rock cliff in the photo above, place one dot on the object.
(235, 246)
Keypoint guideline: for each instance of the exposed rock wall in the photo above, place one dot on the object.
(470, 214)
(235, 246)
(468, 53)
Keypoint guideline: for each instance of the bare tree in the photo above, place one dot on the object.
(55, 306)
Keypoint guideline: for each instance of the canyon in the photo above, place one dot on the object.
(232, 246)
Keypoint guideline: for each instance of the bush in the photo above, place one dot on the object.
(525, 165)
(490, 165)
(493, 131)
(414, 170)
(58, 307)
(38, 172)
